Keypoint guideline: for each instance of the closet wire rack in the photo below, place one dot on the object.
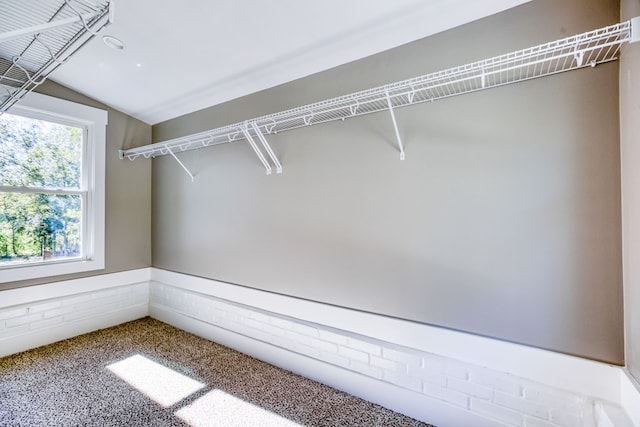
(579, 51)
(35, 40)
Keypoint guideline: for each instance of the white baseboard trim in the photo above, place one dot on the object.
(39, 315)
(480, 372)
(558, 370)
(65, 288)
(385, 394)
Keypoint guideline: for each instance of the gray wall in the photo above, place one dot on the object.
(630, 150)
(504, 220)
(127, 192)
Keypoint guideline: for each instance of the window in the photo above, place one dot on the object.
(52, 155)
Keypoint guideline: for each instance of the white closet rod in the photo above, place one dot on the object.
(582, 50)
(47, 26)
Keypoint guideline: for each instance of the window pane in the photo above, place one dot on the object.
(36, 227)
(37, 153)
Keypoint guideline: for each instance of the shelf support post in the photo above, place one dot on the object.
(179, 162)
(247, 135)
(267, 147)
(395, 124)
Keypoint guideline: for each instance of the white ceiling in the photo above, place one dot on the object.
(182, 56)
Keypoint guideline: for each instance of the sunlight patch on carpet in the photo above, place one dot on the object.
(161, 384)
(218, 408)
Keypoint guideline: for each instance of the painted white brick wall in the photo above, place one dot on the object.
(504, 398)
(22, 326)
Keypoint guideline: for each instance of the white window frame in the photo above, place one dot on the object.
(94, 121)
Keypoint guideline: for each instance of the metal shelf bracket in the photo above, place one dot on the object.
(267, 147)
(395, 124)
(180, 163)
(252, 142)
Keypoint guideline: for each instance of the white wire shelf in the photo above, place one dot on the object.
(37, 37)
(583, 50)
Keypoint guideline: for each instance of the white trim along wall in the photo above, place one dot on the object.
(38, 315)
(440, 376)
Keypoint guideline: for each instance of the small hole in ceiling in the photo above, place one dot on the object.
(113, 43)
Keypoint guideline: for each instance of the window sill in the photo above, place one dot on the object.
(35, 271)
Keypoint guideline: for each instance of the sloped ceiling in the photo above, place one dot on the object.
(182, 56)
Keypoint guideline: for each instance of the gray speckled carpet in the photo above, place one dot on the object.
(147, 373)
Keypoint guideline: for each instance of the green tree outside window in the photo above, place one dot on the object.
(40, 168)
